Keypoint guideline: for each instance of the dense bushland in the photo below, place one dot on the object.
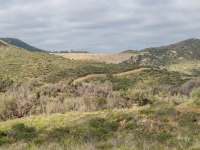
(35, 97)
(140, 110)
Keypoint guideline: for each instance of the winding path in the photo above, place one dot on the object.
(118, 74)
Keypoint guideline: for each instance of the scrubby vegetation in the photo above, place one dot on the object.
(183, 56)
(98, 114)
(156, 126)
(148, 109)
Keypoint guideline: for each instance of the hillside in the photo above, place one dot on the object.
(183, 52)
(51, 102)
(20, 65)
(159, 127)
(21, 44)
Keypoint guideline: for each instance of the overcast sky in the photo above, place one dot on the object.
(99, 25)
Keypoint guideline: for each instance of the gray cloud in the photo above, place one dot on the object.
(99, 26)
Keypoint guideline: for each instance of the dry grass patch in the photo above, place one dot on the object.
(114, 58)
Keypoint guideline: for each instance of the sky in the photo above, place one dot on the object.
(99, 26)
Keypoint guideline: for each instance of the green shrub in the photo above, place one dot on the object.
(97, 122)
(58, 133)
(189, 123)
(25, 136)
(101, 102)
(147, 111)
(95, 129)
(162, 136)
(39, 141)
(154, 136)
(21, 132)
(103, 123)
(98, 133)
(166, 111)
(4, 140)
(164, 119)
(123, 148)
(128, 117)
(20, 127)
(131, 126)
(187, 119)
(103, 145)
(139, 95)
(195, 94)
(2, 134)
(4, 83)
(85, 134)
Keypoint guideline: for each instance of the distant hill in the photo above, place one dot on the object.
(21, 44)
(129, 51)
(179, 54)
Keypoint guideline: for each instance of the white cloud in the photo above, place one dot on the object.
(99, 26)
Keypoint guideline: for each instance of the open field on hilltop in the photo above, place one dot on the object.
(103, 57)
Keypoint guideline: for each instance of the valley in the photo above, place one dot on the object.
(139, 100)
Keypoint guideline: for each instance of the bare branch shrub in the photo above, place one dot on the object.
(97, 96)
(188, 86)
(31, 98)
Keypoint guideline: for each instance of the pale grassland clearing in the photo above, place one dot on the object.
(114, 58)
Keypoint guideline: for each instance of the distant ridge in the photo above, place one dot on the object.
(19, 43)
(166, 55)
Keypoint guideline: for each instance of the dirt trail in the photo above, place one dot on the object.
(118, 74)
(129, 72)
(86, 77)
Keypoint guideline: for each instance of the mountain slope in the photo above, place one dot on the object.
(19, 65)
(21, 44)
(182, 52)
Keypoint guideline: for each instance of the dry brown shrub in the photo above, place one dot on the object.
(188, 86)
(96, 96)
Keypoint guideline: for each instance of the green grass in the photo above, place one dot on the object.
(185, 66)
(57, 120)
(117, 129)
